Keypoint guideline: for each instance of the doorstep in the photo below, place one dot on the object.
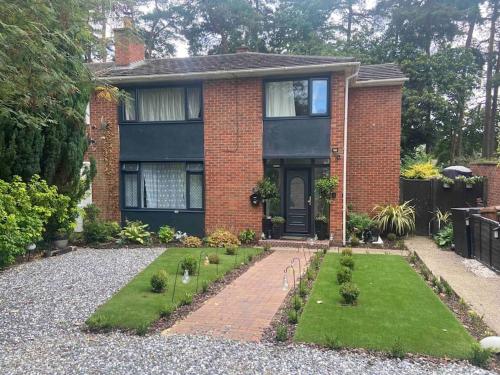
(295, 243)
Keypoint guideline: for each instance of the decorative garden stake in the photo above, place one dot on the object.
(285, 278)
(185, 278)
(199, 266)
(300, 267)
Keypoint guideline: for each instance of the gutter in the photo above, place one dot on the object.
(221, 74)
(344, 172)
(380, 82)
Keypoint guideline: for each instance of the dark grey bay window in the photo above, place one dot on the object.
(295, 98)
(179, 103)
(158, 185)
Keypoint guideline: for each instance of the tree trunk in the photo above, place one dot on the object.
(349, 23)
(494, 106)
(488, 126)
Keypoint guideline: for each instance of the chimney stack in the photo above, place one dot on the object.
(129, 46)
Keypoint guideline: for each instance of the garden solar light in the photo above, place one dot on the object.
(285, 282)
(185, 277)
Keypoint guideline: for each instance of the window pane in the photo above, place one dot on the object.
(130, 185)
(196, 191)
(319, 96)
(164, 185)
(194, 167)
(130, 167)
(129, 106)
(300, 92)
(166, 104)
(194, 102)
(280, 99)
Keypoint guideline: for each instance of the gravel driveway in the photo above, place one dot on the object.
(43, 305)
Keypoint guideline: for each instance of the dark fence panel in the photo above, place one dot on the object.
(419, 192)
(485, 247)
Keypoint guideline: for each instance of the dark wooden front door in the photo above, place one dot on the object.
(297, 201)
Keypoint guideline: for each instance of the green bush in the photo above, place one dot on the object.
(96, 230)
(159, 281)
(309, 274)
(444, 238)
(479, 357)
(396, 218)
(267, 247)
(189, 263)
(297, 303)
(247, 236)
(347, 261)
(213, 258)
(391, 237)
(166, 234)
(358, 222)
(191, 241)
(166, 311)
(278, 220)
(397, 349)
(332, 342)
(204, 286)
(354, 241)
(347, 251)
(293, 316)
(231, 250)
(222, 238)
(344, 275)
(186, 299)
(136, 232)
(349, 292)
(303, 289)
(281, 333)
(423, 170)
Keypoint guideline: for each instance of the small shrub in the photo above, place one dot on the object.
(359, 222)
(231, 250)
(267, 247)
(344, 275)
(136, 232)
(281, 333)
(413, 258)
(213, 258)
(278, 220)
(142, 330)
(159, 281)
(475, 317)
(191, 241)
(204, 286)
(425, 272)
(247, 236)
(186, 299)
(249, 258)
(100, 231)
(166, 234)
(222, 238)
(391, 237)
(303, 289)
(98, 322)
(349, 292)
(309, 274)
(293, 316)
(395, 218)
(354, 241)
(166, 311)
(189, 263)
(444, 238)
(422, 171)
(347, 261)
(296, 303)
(397, 349)
(479, 357)
(447, 288)
(332, 342)
(347, 251)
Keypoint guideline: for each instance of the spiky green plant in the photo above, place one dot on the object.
(397, 218)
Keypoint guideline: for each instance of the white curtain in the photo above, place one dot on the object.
(165, 104)
(194, 102)
(164, 185)
(130, 189)
(129, 103)
(280, 99)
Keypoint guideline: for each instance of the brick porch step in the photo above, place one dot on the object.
(296, 243)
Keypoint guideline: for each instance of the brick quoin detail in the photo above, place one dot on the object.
(374, 132)
(492, 172)
(106, 150)
(233, 129)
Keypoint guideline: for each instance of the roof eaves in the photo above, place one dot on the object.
(381, 82)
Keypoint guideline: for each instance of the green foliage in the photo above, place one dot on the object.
(267, 189)
(222, 238)
(231, 250)
(397, 218)
(281, 333)
(332, 342)
(278, 220)
(191, 241)
(186, 300)
(98, 323)
(166, 234)
(213, 258)
(247, 236)
(446, 180)
(444, 238)
(136, 232)
(204, 286)
(159, 281)
(442, 218)
(479, 357)
(166, 311)
(326, 186)
(421, 171)
(96, 230)
(391, 237)
(344, 275)
(293, 316)
(346, 251)
(354, 242)
(397, 349)
(349, 292)
(297, 303)
(267, 247)
(358, 222)
(190, 264)
(347, 261)
(303, 289)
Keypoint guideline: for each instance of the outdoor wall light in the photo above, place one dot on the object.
(467, 222)
(496, 233)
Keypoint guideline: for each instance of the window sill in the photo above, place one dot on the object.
(179, 211)
(295, 118)
(161, 122)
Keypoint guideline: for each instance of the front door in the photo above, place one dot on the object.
(298, 201)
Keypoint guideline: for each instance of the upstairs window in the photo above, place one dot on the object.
(294, 98)
(163, 104)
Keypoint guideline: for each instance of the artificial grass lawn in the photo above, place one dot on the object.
(136, 307)
(394, 303)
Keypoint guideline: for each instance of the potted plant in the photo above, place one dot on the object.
(61, 238)
(447, 182)
(267, 226)
(321, 227)
(326, 187)
(278, 224)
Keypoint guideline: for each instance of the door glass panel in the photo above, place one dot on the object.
(297, 193)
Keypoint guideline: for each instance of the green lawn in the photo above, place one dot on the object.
(394, 303)
(136, 307)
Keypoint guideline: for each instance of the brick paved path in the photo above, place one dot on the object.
(244, 308)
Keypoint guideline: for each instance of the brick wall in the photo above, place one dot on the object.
(233, 153)
(129, 47)
(106, 149)
(492, 172)
(374, 129)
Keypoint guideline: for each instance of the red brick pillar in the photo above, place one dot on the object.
(337, 142)
(233, 153)
(106, 151)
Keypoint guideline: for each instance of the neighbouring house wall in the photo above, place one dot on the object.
(492, 172)
(337, 141)
(374, 137)
(233, 153)
(106, 149)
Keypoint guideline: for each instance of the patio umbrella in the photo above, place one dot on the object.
(456, 170)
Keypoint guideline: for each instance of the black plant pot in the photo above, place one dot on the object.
(267, 227)
(321, 229)
(277, 231)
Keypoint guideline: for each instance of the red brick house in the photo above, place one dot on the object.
(196, 135)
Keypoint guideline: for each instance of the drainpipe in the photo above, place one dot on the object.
(344, 172)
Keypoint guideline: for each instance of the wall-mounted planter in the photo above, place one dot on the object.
(446, 185)
(469, 186)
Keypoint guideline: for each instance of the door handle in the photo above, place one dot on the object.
(309, 200)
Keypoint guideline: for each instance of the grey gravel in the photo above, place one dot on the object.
(43, 305)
